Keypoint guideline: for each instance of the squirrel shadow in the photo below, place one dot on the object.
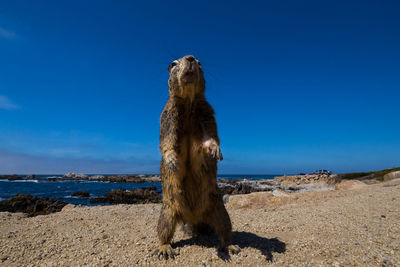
(242, 239)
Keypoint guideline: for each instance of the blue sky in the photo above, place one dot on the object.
(296, 85)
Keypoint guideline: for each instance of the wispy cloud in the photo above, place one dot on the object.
(9, 35)
(6, 103)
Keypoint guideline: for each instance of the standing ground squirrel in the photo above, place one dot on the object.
(190, 150)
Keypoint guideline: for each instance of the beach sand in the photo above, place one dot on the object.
(358, 227)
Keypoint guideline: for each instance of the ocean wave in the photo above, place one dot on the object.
(25, 181)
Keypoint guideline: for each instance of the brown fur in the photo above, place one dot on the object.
(189, 145)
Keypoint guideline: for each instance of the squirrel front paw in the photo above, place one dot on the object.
(212, 148)
(171, 160)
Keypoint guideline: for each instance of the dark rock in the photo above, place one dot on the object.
(31, 177)
(74, 176)
(81, 194)
(31, 205)
(13, 177)
(134, 196)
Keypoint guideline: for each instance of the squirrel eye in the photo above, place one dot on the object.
(173, 64)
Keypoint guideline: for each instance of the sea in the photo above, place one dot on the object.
(62, 190)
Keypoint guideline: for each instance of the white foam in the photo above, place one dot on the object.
(25, 181)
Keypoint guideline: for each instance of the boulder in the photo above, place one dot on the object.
(350, 185)
(69, 175)
(391, 175)
(74, 176)
(307, 179)
(81, 176)
(97, 177)
(31, 205)
(13, 177)
(134, 196)
(31, 177)
(82, 194)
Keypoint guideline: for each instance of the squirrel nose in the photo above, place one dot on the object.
(189, 58)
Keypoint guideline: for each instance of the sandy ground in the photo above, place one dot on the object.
(334, 228)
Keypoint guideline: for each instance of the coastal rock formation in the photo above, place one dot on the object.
(295, 180)
(245, 186)
(31, 177)
(31, 205)
(392, 175)
(134, 196)
(97, 177)
(126, 178)
(13, 177)
(329, 228)
(82, 194)
(74, 176)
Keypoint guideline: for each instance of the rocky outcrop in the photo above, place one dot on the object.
(31, 205)
(289, 184)
(97, 177)
(83, 194)
(13, 177)
(392, 175)
(74, 176)
(31, 177)
(134, 196)
(296, 180)
(131, 178)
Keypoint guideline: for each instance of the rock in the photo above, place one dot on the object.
(298, 180)
(391, 176)
(32, 205)
(81, 176)
(256, 200)
(82, 194)
(31, 177)
(97, 177)
(69, 175)
(134, 196)
(74, 176)
(350, 185)
(238, 188)
(13, 177)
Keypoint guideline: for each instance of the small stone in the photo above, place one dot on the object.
(386, 262)
(105, 236)
(78, 236)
